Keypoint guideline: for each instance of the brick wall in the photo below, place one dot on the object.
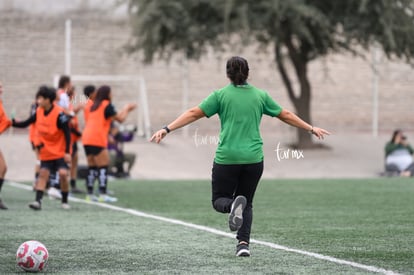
(32, 51)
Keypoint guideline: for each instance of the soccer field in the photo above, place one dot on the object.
(367, 222)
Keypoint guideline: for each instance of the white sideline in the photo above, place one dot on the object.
(222, 233)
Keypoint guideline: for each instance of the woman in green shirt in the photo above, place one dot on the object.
(399, 155)
(238, 164)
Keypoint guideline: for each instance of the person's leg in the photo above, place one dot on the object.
(225, 179)
(249, 179)
(92, 174)
(54, 179)
(37, 168)
(112, 163)
(37, 165)
(392, 170)
(63, 181)
(74, 170)
(44, 173)
(3, 170)
(119, 164)
(54, 191)
(102, 161)
(410, 170)
(130, 160)
(90, 153)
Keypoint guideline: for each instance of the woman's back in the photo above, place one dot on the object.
(240, 108)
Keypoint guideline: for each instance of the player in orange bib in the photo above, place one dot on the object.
(5, 123)
(54, 153)
(90, 93)
(95, 141)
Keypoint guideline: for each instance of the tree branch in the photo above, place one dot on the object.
(284, 74)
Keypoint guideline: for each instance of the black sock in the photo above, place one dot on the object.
(39, 196)
(65, 197)
(73, 183)
(90, 179)
(1, 183)
(103, 179)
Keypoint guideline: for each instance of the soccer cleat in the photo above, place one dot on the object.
(35, 205)
(236, 213)
(54, 193)
(242, 249)
(65, 206)
(106, 198)
(2, 205)
(91, 198)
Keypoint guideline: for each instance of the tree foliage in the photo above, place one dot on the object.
(298, 31)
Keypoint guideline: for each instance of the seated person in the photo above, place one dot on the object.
(117, 157)
(398, 156)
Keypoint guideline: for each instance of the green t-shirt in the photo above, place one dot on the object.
(240, 109)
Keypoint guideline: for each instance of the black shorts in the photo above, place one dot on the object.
(92, 150)
(53, 165)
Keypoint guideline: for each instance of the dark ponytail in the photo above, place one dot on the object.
(102, 94)
(237, 70)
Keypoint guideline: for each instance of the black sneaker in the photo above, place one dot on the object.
(2, 205)
(35, 205)
(242, 250)
(236, 213)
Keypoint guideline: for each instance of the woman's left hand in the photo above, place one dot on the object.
(319, 132)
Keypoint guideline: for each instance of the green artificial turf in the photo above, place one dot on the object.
(365, 221)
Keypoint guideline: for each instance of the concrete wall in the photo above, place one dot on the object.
(32, 51)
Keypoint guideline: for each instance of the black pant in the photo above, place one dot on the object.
(232, 180)
(394, 168)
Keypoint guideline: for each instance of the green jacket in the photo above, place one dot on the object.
(391, 147)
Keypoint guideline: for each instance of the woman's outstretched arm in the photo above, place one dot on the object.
(184, 119)
(293, 120)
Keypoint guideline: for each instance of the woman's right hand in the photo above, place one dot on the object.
(398, 139)
(130, 106)
(158, 136)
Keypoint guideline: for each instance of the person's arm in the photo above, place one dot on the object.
(122, 115)
(111, 140)
(111, 113)
(184, 119)
(293, 120)
(25, 123)
(410, 149)
(63, 124)
(390, 147)
(79, 107)
(76, 132)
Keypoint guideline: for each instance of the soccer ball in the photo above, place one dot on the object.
(32, 256)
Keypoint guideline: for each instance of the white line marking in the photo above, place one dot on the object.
(224, 234)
